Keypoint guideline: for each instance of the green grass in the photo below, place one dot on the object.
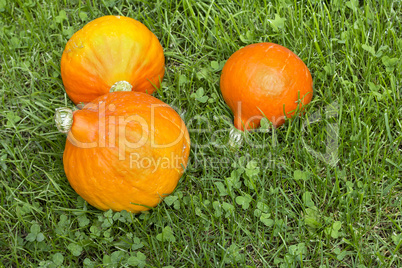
(286, 204)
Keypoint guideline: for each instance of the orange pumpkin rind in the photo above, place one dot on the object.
(265, 80)
(124, 150)
(107, 50)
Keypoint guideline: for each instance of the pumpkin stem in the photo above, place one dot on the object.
(64, 119)
(235, 138)
(121, 86)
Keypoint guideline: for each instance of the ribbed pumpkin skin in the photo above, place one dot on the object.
(264, 79)
(109, 175)
(107, 50)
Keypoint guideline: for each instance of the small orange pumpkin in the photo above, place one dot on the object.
(108, 50)
(124, 150)
(265, 79)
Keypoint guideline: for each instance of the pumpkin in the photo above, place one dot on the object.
(265, 80)
(124, 150)
(109, 50)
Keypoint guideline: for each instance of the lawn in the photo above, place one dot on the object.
(323, 190)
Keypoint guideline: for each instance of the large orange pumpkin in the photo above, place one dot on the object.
(265, 79)
(108, 50)
(124, 150)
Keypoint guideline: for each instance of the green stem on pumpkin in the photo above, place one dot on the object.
(64, 119)
(121, 86)
(236, 137)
